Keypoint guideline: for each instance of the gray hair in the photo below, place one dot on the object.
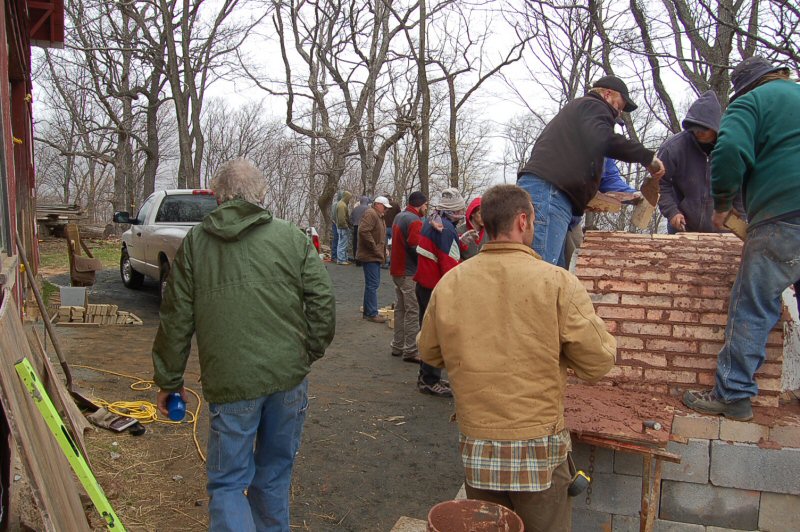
(239, 179)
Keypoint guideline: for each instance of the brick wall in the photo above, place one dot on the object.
(665, 299)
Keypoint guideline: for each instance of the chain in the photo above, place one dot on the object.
(591, 476)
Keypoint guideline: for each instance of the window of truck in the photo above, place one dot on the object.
(185, 208)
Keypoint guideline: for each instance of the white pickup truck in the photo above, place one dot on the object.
(150, 245)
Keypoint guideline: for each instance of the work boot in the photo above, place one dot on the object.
(707, 402)
(377, 318)
(412, 358)
(439, 389)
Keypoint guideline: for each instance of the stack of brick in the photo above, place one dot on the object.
(665, 299)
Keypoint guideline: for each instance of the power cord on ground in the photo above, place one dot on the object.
(145, 411)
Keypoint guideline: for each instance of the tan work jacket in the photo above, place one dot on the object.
(507, 325)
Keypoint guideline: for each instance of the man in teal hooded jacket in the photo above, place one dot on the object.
(254, 291)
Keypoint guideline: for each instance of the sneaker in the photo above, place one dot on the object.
(438, 390)
(707, 402)
(345, 263)
(375, 319)
(396, 353)
(413, 359)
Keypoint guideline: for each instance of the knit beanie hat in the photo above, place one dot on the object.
(417, 199)
(451, 200)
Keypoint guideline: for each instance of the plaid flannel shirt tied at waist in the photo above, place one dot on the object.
(513, 465)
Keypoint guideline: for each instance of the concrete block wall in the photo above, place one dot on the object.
(732, 476)
(665, 299)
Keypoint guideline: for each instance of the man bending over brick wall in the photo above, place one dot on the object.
(758, 152)
(508, 371)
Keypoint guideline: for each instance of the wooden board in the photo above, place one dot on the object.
(53, 485)
(613, 413)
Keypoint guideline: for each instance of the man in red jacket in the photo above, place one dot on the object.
(405, 238)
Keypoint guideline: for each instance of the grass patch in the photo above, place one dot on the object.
(48, 289)
(53, 254)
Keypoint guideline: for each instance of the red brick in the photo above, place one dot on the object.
(665, 375)
(652, 275)
(700, 332)
(637, 358)
(608, 299)
(621, 286)
(679, 316)
(696, 303)
(715, 291)
(675, 346)
(602, 262)
(775, 338)
(710, 348)
(768, 384)
(588, 284)
(659, 389)
(626, 372)
(598, 272)
(706, 379)
(695, 362)
(766, 400)
(702, 279)
(714, 318)
(775, 353)
(671, 288)
(785, 435)
(657, 329)
(646, 301)
(627, 313)
(629, 342)
(769, 369)
(611, 326)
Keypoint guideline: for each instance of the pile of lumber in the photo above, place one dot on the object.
(54, 216)
(96, 315)
(388, 313)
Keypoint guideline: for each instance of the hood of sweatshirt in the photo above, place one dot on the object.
(233, 219)
(705, 111)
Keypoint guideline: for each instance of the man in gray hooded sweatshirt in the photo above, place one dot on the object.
(686, 200)
(355, 219)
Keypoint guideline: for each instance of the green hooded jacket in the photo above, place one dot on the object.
(259, 298)
(343, 211)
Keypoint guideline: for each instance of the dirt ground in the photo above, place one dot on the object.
(374, 448)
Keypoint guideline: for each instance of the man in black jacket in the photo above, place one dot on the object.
(563, 173)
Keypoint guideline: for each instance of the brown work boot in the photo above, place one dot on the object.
(707, 402)
(376, 318)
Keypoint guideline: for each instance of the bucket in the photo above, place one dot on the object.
(469, 515)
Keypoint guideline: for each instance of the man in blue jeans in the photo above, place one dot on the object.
(564, 171)
(758, 152)
(372, 254)
(259, 324)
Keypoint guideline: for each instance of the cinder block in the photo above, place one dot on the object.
(704, 504)
(603, 458)
(627, 463)
(694, 462)
(696, 426)
(618, 494)
(409, 524)
(747, 466)
(786, 436)
(590, 521)
(721, 529)
(624, 523)
(779, 512)
(674, 526)
(742, 431)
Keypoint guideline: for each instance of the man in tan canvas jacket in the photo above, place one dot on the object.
(506, 326)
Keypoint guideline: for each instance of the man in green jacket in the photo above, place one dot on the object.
(758, 152)
(259, 299)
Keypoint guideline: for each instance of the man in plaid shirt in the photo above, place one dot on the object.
(507, 325)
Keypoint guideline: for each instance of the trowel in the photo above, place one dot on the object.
(643, 212)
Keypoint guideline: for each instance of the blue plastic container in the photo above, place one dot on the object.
(176, 406)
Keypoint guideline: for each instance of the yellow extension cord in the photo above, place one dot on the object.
(145, 411)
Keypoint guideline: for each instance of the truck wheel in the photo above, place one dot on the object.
(130, 277)
(163, 276)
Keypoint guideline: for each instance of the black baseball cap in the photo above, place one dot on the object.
(616, 84)
(417, 199)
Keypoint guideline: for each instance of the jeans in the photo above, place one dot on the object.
(274, 425)
(553, 213)
(427, 373)
(372, 279)
(406, 317)
(334, 243)
(770, 263)
(344, 244)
